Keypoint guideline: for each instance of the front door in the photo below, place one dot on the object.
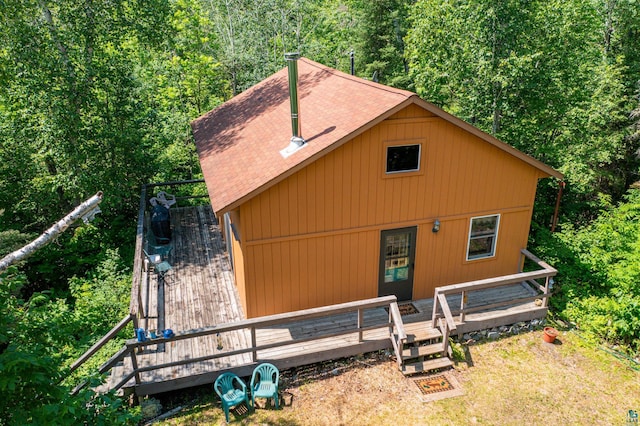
(397, 253)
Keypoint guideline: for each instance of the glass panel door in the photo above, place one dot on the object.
(397, 252)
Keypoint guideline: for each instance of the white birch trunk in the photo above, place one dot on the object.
(51, 233)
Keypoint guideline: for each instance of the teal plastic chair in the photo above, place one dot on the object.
(264, 383)
(232, 392)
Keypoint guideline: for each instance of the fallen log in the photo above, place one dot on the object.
(83, 211)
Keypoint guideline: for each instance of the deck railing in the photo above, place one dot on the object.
(443, 316)
(441, 308)
(252, 325)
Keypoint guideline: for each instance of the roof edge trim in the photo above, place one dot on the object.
(488, 138)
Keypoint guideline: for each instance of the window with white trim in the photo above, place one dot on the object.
(483, 234)
(403, 158)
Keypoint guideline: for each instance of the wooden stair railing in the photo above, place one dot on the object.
(100, 343)
(399, 338)
(428, 349)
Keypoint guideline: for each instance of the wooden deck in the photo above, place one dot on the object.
(199, 292)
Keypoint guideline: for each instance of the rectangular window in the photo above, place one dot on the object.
(403, 158)
(483, 233)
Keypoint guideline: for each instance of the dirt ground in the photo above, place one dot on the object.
(514, 380)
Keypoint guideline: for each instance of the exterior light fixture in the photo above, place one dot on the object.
(436, 226)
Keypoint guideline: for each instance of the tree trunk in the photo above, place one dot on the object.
(51, 233)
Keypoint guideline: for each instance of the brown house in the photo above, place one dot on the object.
(388, 194)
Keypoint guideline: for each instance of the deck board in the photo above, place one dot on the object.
(200, 291)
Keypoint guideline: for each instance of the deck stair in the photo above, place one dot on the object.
(424, 351)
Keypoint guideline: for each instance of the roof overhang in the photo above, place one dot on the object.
(346, 138)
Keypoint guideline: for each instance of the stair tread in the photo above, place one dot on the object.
(424, 334)
(424, 350)
(421, 367)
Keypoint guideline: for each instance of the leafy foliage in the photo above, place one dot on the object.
(599, 272)
(99, 96)
(11, 240)
(539, 76)
(380, 45)
(43, 334)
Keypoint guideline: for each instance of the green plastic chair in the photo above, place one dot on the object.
(232, 392)
(264, 383)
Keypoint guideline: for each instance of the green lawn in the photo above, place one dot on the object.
(518, 380)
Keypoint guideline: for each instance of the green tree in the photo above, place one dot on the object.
(380, 47)
(330, 33)
(538, 75)
(73, 120)
(180, 80)
(38, 336)
(72, 114)
(255, 35)
(599, 275)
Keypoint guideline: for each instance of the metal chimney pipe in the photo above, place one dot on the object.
(292, 66)
(353, 64)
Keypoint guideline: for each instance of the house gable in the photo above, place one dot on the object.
(308, 229)
(347, 188)
(239, 142)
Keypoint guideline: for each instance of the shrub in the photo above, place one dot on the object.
(599, 272)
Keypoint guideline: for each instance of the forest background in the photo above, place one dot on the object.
(97, 95)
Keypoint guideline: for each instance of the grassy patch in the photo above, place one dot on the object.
(514, 380)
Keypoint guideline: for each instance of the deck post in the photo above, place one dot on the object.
(434, 316)
(463, 302)
(140, 306)
(134, 319)
(444, 328)
(134, 364)
(145, 312)
(545, 299)
(360, 321)
(253, 345)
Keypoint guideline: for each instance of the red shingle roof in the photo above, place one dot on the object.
(239, 142)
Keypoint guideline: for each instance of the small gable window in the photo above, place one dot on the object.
(403, 158)
(483, 233)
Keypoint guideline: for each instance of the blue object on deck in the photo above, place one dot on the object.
(167, 333)
(141, 335)
(160, 223)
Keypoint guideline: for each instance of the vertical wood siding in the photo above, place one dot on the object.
(441, 257)
(310, 272)
(313, 239)
(238, 258)
(238, 270)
